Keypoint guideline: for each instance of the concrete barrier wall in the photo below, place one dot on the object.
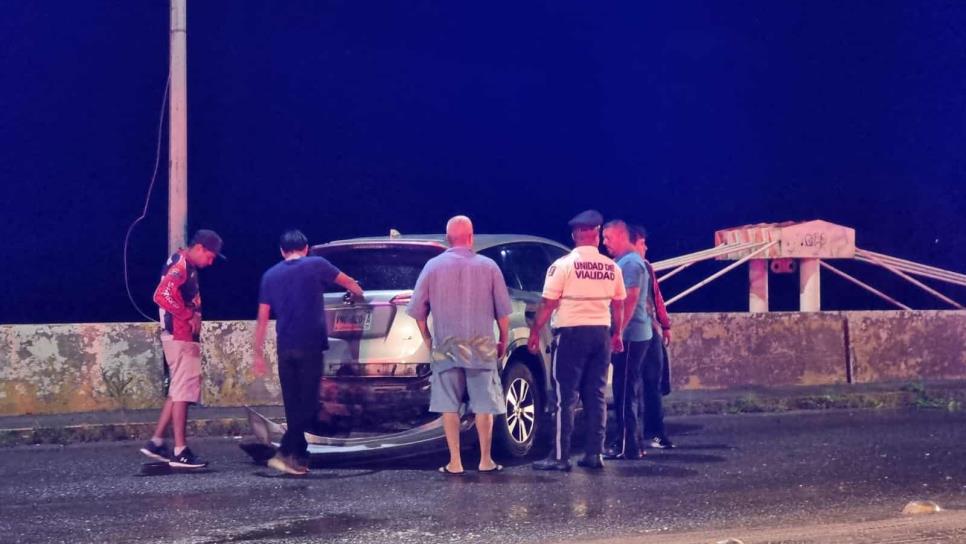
(106, 366)
(109, 366)
(898, 345)
(719, 350)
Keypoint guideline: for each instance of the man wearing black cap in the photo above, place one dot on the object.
(179, 300)
(583, 290)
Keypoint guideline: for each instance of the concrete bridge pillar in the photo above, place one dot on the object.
(758, 285)
(809, 285)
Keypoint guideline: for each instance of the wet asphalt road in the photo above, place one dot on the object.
(729, 471)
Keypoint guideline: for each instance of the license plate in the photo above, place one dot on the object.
(352, 321)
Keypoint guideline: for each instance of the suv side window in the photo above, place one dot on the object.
(530, 262)
(555, 252)
(500, 256)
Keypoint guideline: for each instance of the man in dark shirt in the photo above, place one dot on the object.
(655, 372)
(292, 290)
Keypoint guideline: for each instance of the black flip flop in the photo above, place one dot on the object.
(445, 470)
(496, 468)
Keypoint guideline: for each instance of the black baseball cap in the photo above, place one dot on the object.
(209, 240)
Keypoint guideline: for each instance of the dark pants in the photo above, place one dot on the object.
(628, 393)
(580, 373)
(300, 374)
(652, 374)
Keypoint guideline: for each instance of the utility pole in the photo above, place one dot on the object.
(178, 127)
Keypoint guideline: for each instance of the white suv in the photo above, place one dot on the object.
(377, 367)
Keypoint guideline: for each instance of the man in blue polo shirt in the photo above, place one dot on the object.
(627, 380)
(292, 290)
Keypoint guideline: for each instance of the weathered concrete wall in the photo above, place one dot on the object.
(720, 350)
(74, 368)
(901, 345)
(107, 366)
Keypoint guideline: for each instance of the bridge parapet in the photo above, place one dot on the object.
(68, 368)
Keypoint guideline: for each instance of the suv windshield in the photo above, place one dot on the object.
(379, 268)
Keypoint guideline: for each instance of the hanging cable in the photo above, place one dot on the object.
(147, 199)
(913, 267)
(914, 281)
(864, 285)
(718, 274)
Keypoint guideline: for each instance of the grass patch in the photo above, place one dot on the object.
(923, 399)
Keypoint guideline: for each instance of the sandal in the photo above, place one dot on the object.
(445, 470)
(496, 468)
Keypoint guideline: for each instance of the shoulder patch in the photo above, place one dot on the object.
(551, 270)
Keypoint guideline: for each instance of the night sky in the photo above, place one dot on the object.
(350, 118)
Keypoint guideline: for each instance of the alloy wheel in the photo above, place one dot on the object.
(520, 410)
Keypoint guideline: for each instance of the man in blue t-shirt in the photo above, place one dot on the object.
(293, 290)
(627, 380)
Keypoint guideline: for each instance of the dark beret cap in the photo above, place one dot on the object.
(587, 219)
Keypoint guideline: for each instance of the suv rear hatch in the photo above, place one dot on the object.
(377, 364)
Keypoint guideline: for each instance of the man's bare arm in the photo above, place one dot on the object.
(503, 324)
(424, 331)
(348, 284)
(547, 306)
(617, 314)
(258, 343)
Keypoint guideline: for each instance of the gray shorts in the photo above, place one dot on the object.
(449, 387)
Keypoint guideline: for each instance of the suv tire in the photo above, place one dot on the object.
(514, 433)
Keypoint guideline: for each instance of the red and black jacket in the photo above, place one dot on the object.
(178, 297)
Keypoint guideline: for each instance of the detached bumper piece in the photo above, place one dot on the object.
(419, 440)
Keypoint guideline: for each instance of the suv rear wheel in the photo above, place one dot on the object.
(515, 432)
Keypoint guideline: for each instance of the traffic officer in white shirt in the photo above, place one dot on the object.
(585, 289)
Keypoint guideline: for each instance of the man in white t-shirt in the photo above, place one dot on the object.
(585, 289)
